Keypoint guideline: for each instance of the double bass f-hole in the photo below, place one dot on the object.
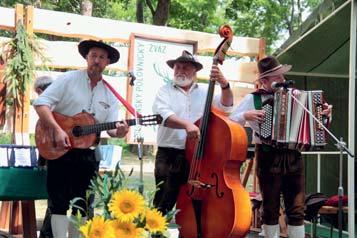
(196, 183)
(218, 194)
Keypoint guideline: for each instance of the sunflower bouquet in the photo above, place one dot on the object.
(125, 212)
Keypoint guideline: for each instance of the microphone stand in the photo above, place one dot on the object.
(139, 139)
(341, 145)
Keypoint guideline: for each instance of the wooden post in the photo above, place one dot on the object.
(22, 114)
(2, 93)
(86, 8)
(27, 208)
(7, 221)
(19, 14)
(29, 20)
(261, 48)
(19, 217)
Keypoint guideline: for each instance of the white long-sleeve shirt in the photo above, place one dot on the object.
(171, 100)
(71, 94)
(245, 105)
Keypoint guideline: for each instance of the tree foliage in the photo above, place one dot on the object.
(101, 8)
(272, 19)
(198, 15)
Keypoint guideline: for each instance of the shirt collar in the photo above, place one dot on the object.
(98, 83)
(193, 86)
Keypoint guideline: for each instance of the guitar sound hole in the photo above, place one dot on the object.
(77, 131)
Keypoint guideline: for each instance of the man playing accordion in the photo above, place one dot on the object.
(279, 169)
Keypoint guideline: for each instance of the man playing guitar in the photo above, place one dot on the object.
(72, 93)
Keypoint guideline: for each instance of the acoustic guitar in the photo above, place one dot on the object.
(81, 130)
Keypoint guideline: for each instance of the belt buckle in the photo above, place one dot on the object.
(93, 147)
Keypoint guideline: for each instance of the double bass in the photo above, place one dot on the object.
(213, 203)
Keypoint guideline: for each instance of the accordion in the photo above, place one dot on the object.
(288, 125)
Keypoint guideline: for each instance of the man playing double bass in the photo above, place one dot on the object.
(180, 104)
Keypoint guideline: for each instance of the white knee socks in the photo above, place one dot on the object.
(272, 231)
(73, 232)
(296, 231)
(59, 225)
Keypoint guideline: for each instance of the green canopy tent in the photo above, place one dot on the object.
(323, 55)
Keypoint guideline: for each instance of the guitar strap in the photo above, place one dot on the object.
(127, 105)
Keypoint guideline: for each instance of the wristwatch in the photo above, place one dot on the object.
(226, 87)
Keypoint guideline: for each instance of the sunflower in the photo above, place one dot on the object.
(97, 228)
(127, 229)
(155, 222)
(126, 205)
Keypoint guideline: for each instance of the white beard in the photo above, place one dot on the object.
(182, 81)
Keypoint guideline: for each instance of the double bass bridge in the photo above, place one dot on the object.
(201, 185)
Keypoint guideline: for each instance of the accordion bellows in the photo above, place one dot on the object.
(288, 125)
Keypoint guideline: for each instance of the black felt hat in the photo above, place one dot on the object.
(186, 57)
(270, 66)
(86, 45)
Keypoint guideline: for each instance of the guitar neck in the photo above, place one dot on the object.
(86, 130)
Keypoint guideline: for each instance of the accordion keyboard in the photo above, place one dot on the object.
(266, 126)
(318, 137)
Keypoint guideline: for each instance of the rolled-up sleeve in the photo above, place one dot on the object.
(162, 104)
(217, 102)
(52, 95)
(238, 113)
